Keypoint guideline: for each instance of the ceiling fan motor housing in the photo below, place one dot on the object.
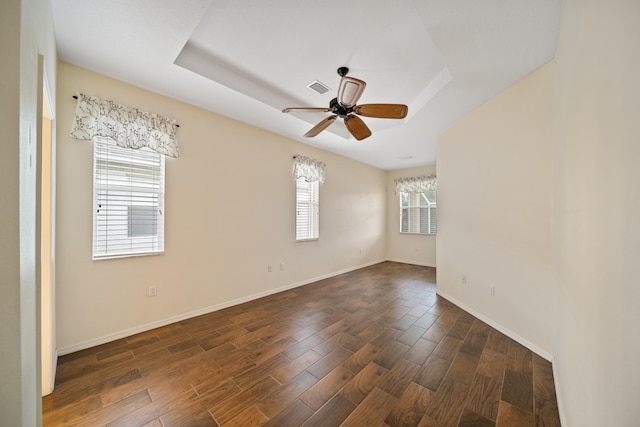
(339, 109)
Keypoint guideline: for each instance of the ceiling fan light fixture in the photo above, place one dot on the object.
(350, 91)
(319, 87)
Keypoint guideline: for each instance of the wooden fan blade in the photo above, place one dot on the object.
(357, 127)
(350, 91)
(320, 126)
(307, 109)
(382, 111)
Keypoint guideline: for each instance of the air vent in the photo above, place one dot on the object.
(319, 87)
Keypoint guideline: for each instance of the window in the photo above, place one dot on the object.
(309, 174)
(418, 212)
(128, 200)
(307, 209)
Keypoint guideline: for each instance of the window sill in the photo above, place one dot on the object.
(126, 256)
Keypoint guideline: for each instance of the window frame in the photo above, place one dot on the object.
(313, 212)
(413, 206)
(112, 224)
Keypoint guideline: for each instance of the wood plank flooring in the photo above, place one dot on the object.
(373, 347)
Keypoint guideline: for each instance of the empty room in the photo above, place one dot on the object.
(293, 213)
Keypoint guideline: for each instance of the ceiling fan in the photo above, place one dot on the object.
(344, 106)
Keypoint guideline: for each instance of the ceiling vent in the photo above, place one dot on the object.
(319, 87)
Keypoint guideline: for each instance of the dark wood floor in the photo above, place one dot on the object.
(373, 347)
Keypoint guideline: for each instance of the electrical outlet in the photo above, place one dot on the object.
(492, 291)
(153, 291)
(464, 279)
(360, 251)
(269, 269)
(282, 266)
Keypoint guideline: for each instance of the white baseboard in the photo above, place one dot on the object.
(146, 327)
(411, 262)
(559, 401)
(499, 327)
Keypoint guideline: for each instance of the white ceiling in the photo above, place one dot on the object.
(249, 59)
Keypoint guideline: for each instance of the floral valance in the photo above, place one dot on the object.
(418, 184)
(129, 127)
(309, 169)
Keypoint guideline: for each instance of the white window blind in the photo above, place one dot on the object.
(307, 209)
(418, 212)
(128, 200)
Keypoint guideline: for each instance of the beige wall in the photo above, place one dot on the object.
(494, 204)
(538, 196)
(26, 33)
(597, 212)
(408, 248)
(229, 213)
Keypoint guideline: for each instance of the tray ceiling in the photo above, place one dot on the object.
(250, 59)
